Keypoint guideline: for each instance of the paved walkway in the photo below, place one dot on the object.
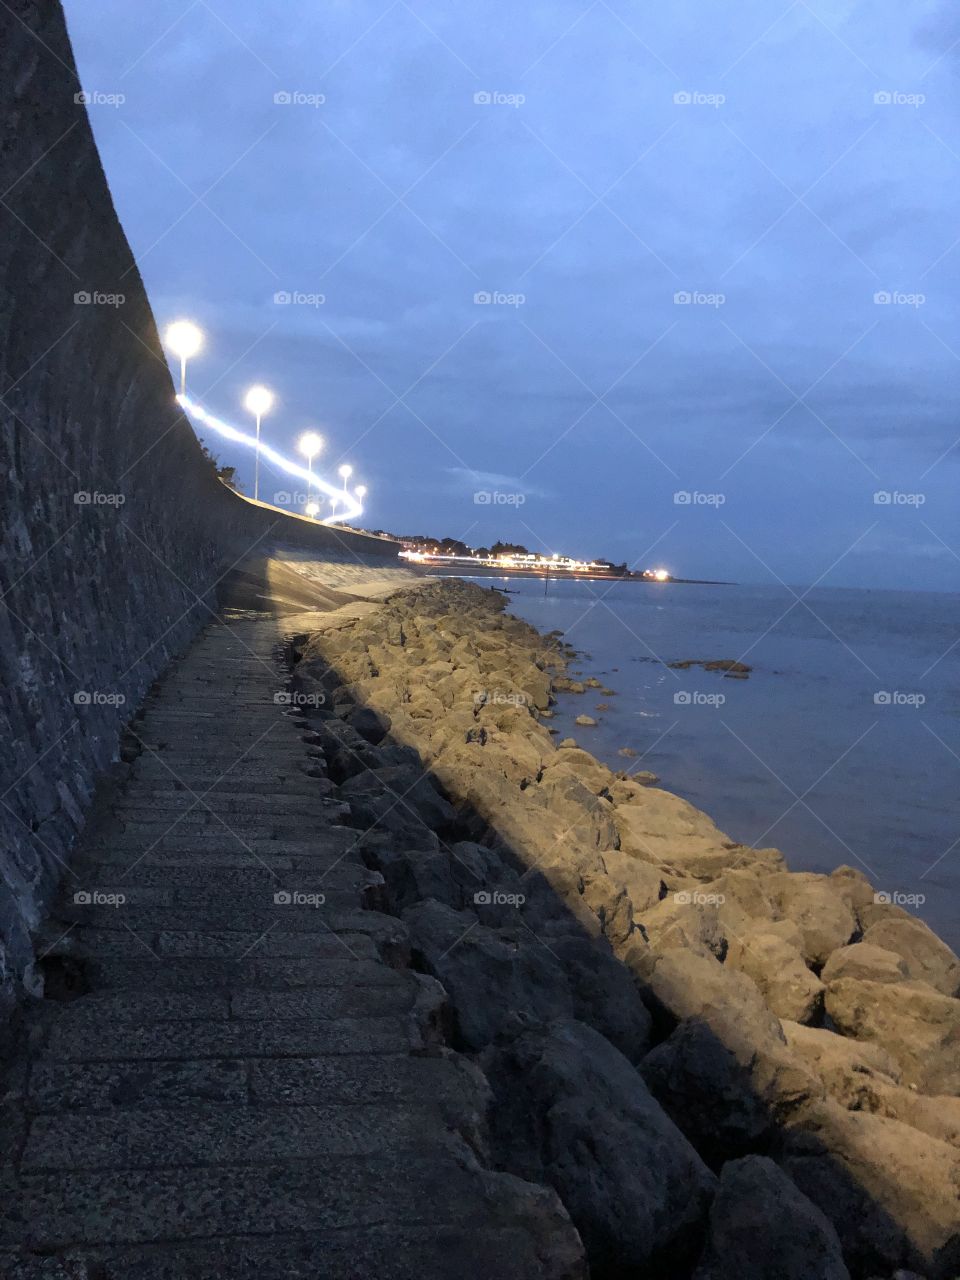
(239, 1079)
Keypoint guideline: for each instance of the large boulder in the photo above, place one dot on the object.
(917, 1025)
(892, 1193)
(928, 959)
(685, 984)
(763, 1228)
(818, 907)
(864, 1077)
(492, 974)
(865, 961)
(784, 981)
(669, 832)
(709, 1093)
(571, 1112)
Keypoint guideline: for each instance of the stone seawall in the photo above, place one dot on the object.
(115, 530)
(723, 1068)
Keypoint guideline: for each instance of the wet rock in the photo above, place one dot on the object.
(570, 1111)
(764, 1228)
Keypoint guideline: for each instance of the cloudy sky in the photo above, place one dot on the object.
(683, 216)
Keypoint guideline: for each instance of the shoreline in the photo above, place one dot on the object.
(822, 1020)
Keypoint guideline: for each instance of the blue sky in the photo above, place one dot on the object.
(588, 166)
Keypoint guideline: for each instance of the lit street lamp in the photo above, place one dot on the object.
(184, 340)
(310, 445)
(345, 472)
(259, 400)
(333, 508)
(312, 509)
(361, 491)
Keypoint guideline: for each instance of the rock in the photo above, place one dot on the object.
(372, 726)
(666, 830)
(567, 742)
(864, 1077)
(784, 981)
(764, 1228)
(819, 910)
(890, 1192)
(492, 974)
(688, 985)
(585, 767)
(627, 751)
(863, 960)
(585, 720)
(928, 959)
(708, 1093)
(728, 665)
(564, 684)
(593, 683)
(917, 1025)
(570, 1111)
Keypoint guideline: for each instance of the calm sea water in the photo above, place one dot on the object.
(843, 746)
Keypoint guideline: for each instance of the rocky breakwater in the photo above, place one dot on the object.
(723, 1068)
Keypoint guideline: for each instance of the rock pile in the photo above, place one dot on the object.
(722, 1067)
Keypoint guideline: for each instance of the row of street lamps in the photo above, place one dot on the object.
(185, 340)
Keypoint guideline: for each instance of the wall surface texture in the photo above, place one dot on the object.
(115, 532)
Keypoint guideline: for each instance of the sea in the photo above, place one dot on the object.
(841, 746)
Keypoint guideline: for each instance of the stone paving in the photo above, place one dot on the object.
(232, 1073)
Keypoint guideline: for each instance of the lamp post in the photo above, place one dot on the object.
(259, 400)
(345, 473)
(310, 445)
(184, 339)
(312, 509)
(333, 509)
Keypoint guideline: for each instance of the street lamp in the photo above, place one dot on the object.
(312, 509)
(184, 340)
(345, 473)
(259, 400)
(361, 491)
(310, 445)
(333, 508)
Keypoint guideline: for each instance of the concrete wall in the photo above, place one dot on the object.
(97, 595)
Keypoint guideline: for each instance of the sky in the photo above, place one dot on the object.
(669, 284)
